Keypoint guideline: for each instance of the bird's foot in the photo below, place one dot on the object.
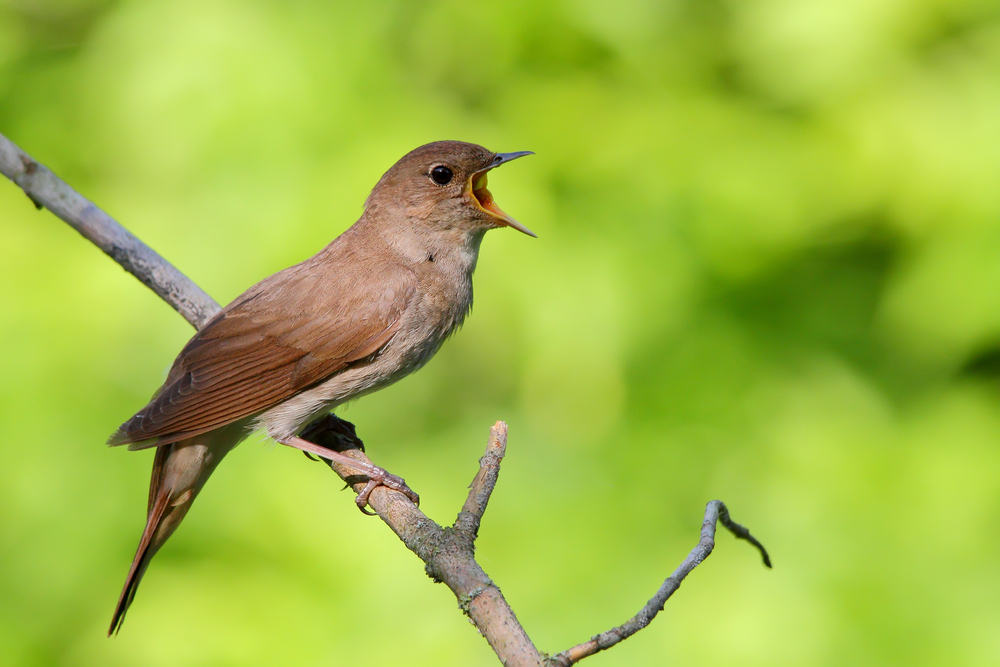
(379, 477)
(376, 476)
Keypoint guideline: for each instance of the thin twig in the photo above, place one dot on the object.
(715, 512)
(741, 532)
(481, 489)
(45, 189)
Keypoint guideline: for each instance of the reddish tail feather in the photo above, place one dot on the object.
(180, 470)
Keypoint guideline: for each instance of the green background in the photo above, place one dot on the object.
(767, 272)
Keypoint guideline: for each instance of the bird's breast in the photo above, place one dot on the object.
(438, 308)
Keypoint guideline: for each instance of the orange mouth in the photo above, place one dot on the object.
(484, 198)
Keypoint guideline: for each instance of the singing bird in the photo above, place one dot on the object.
(371, 307)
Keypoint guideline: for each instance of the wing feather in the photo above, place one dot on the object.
(285, 334)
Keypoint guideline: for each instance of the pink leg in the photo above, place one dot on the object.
(376, 476)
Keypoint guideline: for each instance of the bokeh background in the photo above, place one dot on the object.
(767, 271)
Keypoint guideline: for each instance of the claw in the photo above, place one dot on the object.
(362, 499)
(380, 477)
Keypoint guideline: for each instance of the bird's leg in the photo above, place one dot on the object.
(376, 476)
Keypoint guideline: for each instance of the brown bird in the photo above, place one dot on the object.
(368, 309)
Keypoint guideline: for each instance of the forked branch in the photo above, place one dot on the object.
(715, 512)
(447, 552)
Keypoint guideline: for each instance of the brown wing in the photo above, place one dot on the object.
(290, 331)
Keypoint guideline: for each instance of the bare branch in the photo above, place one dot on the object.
(482, 486)
(715, 512)
(46, 189)
(448, 553)
(741, 532)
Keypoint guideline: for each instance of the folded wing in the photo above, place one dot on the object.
(285, 334)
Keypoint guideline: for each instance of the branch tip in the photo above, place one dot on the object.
(481, 488)
(741, 532)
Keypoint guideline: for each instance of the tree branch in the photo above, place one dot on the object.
(447, 552)
(45, 189)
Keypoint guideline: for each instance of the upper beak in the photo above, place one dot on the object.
(502, 158)
(483, 197)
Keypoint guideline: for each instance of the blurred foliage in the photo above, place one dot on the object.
(767, 272)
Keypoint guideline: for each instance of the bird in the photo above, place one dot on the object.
(368, 309)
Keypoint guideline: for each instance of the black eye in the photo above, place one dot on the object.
(441, 174)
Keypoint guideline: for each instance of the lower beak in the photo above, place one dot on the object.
(484, 198)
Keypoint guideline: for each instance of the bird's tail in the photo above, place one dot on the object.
(180, 469)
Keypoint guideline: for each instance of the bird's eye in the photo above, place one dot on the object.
(441, 175)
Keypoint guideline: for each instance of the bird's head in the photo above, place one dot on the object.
(444, 184)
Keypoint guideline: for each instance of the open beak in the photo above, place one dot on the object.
(484, 198)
